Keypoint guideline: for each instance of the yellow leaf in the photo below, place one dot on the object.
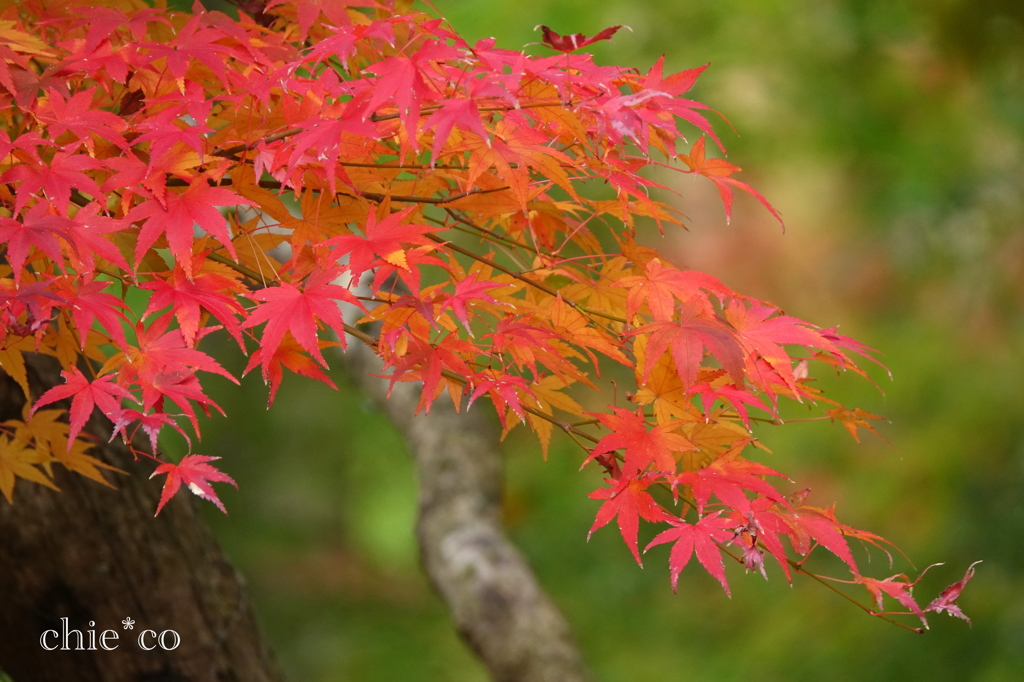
(22, 42)
(243, 181)
(320, 219)
(16, 460)
(76, 460)
(12, 362)
(601, 295)
(41, 428)
(252, 246)
(549, 390)
(574, 326)
(548, 393)
(397, 258)
(712, 438)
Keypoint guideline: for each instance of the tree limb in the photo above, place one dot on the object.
(498, 606)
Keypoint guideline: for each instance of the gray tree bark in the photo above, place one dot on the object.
(95, 555)
(497, 604)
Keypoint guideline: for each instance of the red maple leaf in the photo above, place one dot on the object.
(88, 303)
(102, 57)
(308, 11)
(466, 290)
(643, 448)
(574, 41)
(718, 172)
(735, 395)
(31, 299)
(194, 41)
(760, 330)
(151, 423)
(104, 21)
(85, 231)
(162, 367)
(401, 81)
(194, 472)
(661, 94)
(456, 112)
(166, 129)
(186, 296)
(323, 135)
(820, 524)
(628, 501)
(765, 525)
(946, 601)
(383, 239)
(410, 273)
(77, 116)
(526, 344)
(177, 218)
(35, 229)
(899, 588)
(727, 477)
(425, 362)
(181, 386)
(662, 284)
(289, 308)
(101, 392)
(56, 178)
(703, 538)
(287, 355)
(515, 149)
(503, 390)
(686, 340)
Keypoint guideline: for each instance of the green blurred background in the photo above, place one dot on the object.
(889, 134)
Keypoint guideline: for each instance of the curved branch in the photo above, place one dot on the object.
(497, 604)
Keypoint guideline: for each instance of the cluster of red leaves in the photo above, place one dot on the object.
(248, 175)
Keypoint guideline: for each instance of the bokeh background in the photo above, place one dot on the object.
(891, 136)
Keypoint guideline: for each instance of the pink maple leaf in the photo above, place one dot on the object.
(176, 219)
(85, 395)
(946, 601)
(194, 472)
(628, 501)
(289, 308)
(700, 538)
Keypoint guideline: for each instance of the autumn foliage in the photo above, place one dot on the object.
(317, 174)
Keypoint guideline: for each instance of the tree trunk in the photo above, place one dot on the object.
(498, 606)
(96, 557)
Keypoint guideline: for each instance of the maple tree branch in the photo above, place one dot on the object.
(871, 612)
(368, 340)
(232, 152)
(257, 277)
(519, 276)
(482, 232)
(485, 231)
(494, 239)
(373, 343)
(431, 108)
(824, 580)
(374, 196)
